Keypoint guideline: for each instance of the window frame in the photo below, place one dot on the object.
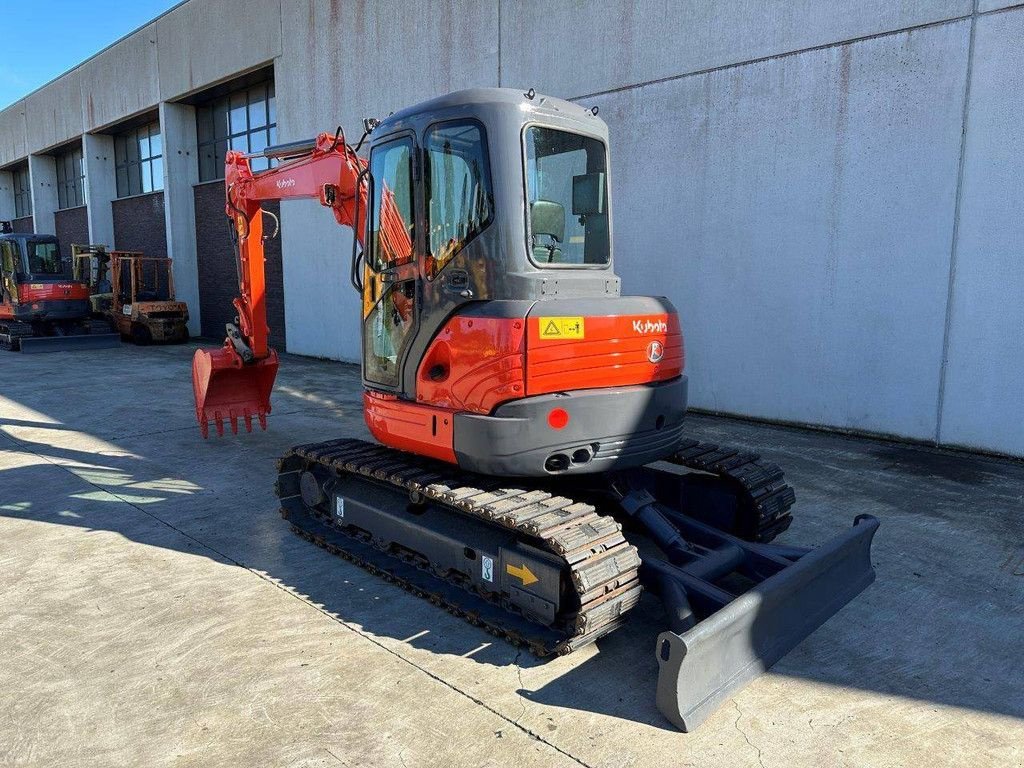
(70, 180)
(220, 106)
(526, 196)
(426, 185)
(369, 255)
(22, 180)
(30, 245)
(127, 163)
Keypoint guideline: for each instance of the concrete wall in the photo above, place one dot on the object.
(205, 41)
(100, 186)
(983, 397)
(360, 70)
(828, 191)
(7, 208)
(42, 171)
(123, 80)
(768, 201)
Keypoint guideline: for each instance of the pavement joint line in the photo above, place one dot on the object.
(25, 447)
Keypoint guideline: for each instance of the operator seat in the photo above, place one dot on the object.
(547, 220)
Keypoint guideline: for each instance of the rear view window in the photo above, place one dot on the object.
(567, 198)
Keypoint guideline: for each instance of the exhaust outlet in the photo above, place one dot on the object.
(582, 455)
(556, 462)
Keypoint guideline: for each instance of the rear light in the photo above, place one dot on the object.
(558, 418)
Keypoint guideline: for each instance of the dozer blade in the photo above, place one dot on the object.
(35, 344)
(226, 389)
(702, 666)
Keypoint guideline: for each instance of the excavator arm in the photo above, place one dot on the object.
(235, 381)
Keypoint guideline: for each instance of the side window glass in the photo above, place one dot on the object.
(390, 240)
(460, 203)
(386, 332)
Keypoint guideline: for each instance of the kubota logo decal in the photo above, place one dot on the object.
(285, 183)
(650, 326)
(655, 351)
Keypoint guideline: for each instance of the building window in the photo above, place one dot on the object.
(70, 179)
(138, 160)
(22, 193)
(245, 120)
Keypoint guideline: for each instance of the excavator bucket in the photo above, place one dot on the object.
(227, 390)
(701, 666)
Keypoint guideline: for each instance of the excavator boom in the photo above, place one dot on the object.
(234, 383)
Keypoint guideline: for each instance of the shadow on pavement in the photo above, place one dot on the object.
(941, 623)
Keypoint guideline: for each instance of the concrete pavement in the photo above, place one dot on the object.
(156, 610)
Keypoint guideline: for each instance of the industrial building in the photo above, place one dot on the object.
(829, 192)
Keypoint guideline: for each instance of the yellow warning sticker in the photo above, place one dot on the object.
(561, 327)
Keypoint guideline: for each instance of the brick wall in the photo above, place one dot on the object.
(139, 224)
(23, 225)
(72, 225)
(218, 281)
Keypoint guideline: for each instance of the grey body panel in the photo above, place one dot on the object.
(621, 426)
(54, 309)
(699, 668)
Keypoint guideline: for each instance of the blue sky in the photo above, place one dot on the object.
(42, 39)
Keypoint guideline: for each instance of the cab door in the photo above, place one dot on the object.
(390, 287)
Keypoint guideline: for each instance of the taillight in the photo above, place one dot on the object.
(558, 418)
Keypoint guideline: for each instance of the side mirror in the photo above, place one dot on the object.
(588, 194)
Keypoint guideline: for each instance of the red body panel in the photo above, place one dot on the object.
(421, 429)
(474, 364)
(29, 292)
(38, 293)
(612, 352)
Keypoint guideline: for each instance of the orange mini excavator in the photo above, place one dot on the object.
(532, 473)
(43, 307)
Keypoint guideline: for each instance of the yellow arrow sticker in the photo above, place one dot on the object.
(561, 327)
(524, 574)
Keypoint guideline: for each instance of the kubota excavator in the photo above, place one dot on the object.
(43, 307)
(533, 475)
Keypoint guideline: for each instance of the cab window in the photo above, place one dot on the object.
(390, 240)
(460, 203)
(44, 259)
(567, 198)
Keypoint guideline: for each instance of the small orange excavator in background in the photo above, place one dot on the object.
(533, 474)
(43, 307)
